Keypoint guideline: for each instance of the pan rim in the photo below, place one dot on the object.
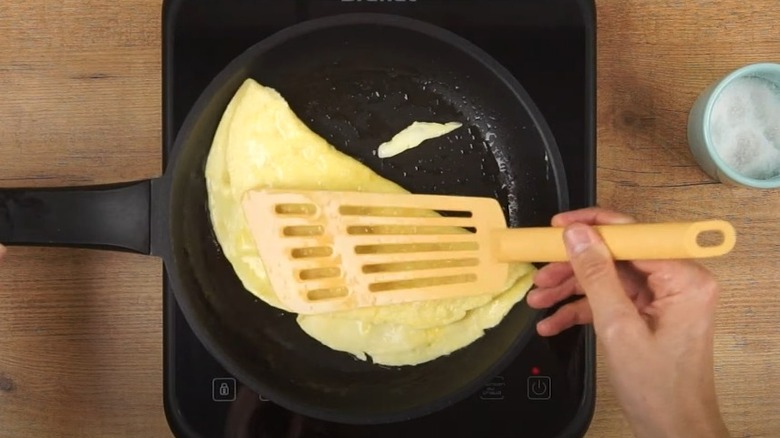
(229, 73)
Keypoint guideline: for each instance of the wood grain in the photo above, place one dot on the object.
(80, 344)
(80, 331)
(654, 59)
(81, 92)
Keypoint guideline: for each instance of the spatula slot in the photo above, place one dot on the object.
(312, 252)
(417, 239)
(299, 231)
(420, 265)
(390, 277)
(296, 209)
(319, 273)
(432, 256)
(405, 248)
(388, 230)
(316, 284)
(327, 294)
(371, 221)
(419, 283)
(455, 213)
(389, 211)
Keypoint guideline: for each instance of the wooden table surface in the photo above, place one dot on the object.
(80, 102)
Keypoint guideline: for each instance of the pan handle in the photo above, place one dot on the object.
(102, 217)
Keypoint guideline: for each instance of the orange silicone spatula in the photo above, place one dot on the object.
(331, 251)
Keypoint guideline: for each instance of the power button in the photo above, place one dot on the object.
(539, 388)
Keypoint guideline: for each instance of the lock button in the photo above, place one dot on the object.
(223, 389)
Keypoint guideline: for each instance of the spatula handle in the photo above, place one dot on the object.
(661, 241)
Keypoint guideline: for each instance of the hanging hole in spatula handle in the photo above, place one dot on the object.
(712, 238)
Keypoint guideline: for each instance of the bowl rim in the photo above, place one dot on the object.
(745, 71)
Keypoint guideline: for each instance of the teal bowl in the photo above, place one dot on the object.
(700, 133)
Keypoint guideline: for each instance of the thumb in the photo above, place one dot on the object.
(2, 250)
(596, 273)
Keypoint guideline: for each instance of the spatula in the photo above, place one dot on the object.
(328, 251)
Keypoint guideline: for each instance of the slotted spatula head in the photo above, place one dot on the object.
(332, 251)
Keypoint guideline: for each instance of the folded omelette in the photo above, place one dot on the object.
(261, 143)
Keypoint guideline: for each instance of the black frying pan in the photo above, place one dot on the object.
(356, 80)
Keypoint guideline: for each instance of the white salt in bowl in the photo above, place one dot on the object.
(734, 127)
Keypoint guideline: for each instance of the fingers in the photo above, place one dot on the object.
(660, 266)
(2, 251)
(591, 216)
(597, 275)
(672, 277)
(634, 282)
(544, 298)
(553, 274)
(575, 313)
(556, 282)
(683, 295)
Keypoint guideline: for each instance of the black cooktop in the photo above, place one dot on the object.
(549, 45)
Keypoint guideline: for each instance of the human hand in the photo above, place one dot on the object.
(2, 250)
(655, 323)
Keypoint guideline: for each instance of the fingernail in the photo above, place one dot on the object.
(578, 238)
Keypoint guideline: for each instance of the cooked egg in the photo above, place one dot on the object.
(261, 143)
(413, 136)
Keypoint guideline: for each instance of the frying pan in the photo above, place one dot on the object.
(356, 80)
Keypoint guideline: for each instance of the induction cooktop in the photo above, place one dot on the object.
(549, 45)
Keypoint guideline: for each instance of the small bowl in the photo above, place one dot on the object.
(700, 132)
